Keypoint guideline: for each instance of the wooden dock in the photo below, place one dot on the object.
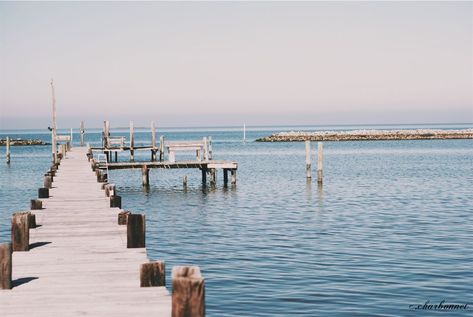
(79, 263)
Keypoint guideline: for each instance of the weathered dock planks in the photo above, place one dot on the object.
(79, 263)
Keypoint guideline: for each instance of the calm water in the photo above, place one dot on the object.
(391, 226)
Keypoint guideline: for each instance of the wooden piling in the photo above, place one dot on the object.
(8, 149)
(153, 142)
(32, 221)
(152, 274)
(122, 217)
(308, 163)
(213, 176)
(109, 190)
(225, 176)
(48, 182)
(204, 175)
(36, 204)
(233, 173)
(188, 292)
(145, 175)
(115, 201)
(82, 132)
(20, 231)
(43, 192)
(184, 181)
(320, 157)
(161, 148)
(210, 148)
(6, 265)
(136, 229)
(132, 141)
(206, 149)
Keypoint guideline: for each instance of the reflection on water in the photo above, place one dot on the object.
(389, 227)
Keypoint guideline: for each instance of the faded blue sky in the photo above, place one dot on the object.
(208, 63)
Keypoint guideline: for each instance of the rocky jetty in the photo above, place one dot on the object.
(368, 135)
(14, 142)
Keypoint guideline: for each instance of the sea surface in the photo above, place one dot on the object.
(391, 227)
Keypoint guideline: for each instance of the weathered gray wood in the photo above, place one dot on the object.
(48, 182)
(153, 274)
(233, 173)
(8, 149)
(161, 148)
(110, 190)
(36, 204)
(82, 132)
(213, 176)
(43, 192)
(136, 229)
(210, 148)
(123, 217)
(145, 176)
(6, 266)
(188, 292)
(308, 163)
(184, 181)
(115, 201)
(320, 158)
(32, 221)
(206, 149)
(20, 231)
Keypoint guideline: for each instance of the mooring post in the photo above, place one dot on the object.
(109, 190)
(20, 231)
(43, 192)
(153, 142)
(132, 141)
(225, 176)
(210, 148)
(152, 274)
(107, 134)
(48, 182)
(82, 132)
(36, 204)
(63, 150)
(123, 217)
(136, 228)
(188, 292)
(213, 176)
(115, 201)
(145, 175)
(32, 221)
(233, 173)
(320, 158)
(161, 148)
(6, 265)
(308, 163)
(204, 175)
(206, 149)
(184, 181)
(8, 149)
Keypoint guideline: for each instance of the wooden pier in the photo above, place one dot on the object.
(78, 261)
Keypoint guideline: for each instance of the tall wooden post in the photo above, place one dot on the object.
(6, 265)
(152, 274)
(308, 164)
(206, 149)
(204, 175)
(213, 176)
(184, 181)
(145, 175)
(210, 148)
(153, 142)
(132, 141)
(82, 132)
(320, 158)
(8, 149)
(225, 176)
(188, 292)
(53, 128)
(20, 231)
(36, 204)
(136, 228)
(233, 173)
(161, 148)
(70, 142)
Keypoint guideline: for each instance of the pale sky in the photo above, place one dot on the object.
(225, 63)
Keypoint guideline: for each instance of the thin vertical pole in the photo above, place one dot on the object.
(206, 149)
(53, 128)
(132, 141)
(308, 164)
(320, 158)
(153, 141)
(210, 147)
(8, 149)
(161, 148)
(82, 131)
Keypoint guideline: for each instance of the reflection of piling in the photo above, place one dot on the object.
(308, 165)
(320, 157)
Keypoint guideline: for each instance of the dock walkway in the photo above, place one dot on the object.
(78, 263)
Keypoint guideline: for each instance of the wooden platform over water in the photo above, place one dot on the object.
(79, 263)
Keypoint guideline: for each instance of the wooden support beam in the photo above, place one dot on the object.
(233, 173)
(320, 158)
(20, 231)
(123, 217)
(145, 175)
(152, 274)
(136, 229)
(188, 292)
(308, 163)
(115, 201)
(6, 265)
(213, 176)
(225, 176)
(8, 149)
(36, 204)
(43, 192)
(204, 175)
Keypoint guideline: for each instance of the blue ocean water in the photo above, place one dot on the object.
(390, 227)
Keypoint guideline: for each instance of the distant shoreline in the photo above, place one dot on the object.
(18, 142)
(368, 135)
